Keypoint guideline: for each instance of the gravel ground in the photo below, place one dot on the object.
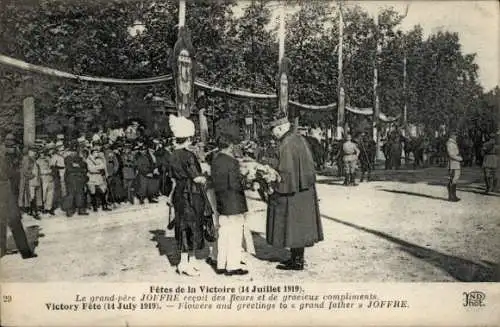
(397, 228)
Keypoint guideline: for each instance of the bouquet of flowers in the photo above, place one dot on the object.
(259, 177)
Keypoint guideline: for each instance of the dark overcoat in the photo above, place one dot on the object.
(293, 218)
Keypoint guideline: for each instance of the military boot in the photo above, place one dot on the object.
(450, 196)
(353, 180)
(346, 180)
(454, 196)
(93, 200)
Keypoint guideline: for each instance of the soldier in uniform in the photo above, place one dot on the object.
(9, 211)
(490, 151)
(13, 156)
(112, 171)
(293, 219)
(351, 153)
(57, 162)
(129, 173)
(30, 184)
(145, 169)
(155, 181)
(47, 179)
(96, 183)
(75, 179)
(367, 156)
(162, 154)
(454, 161)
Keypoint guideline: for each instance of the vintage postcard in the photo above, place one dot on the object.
(249, 162)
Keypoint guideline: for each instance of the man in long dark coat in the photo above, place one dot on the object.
(145, 169)
(76, 179)
(10, 214)
(293, 219)
(13, 156)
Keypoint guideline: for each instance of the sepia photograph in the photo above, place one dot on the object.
(257, 143)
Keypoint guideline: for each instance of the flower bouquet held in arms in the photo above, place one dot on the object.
(259, 177)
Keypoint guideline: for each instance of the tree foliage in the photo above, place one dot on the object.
(92, 38)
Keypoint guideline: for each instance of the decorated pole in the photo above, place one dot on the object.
(340, 86)
(282, 32)
(376, 102)
(405, 101)
(182, 13)
(284, 66)
(183, 66)
(29, 124)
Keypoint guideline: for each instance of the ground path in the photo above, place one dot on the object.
(395, 229)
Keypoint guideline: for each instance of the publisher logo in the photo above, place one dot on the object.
(474, 299)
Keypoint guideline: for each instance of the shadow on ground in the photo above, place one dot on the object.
(167, 246)
(461, 269)
(416, 194)
(470, 177)
(33, 234)
(266, 252)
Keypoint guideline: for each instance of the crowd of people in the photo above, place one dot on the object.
(101, 170)
(203, 183)
(205, 192)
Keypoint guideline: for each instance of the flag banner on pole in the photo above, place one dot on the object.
(283, 87)
(184, 69)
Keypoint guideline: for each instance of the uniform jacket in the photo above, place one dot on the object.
(13, 159)
(76, 169)
(96, 170)
(144, 164)
(112, 163)
(350, 151)
(453, 153)
(45, 167)
(129, 166)
(229, 191)
(490, 150)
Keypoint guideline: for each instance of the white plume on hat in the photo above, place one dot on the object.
(181, 126)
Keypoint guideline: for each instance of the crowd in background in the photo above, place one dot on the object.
(104, 169)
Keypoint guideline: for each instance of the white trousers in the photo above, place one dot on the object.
(48, 192)
(247, 238)
(229, 247)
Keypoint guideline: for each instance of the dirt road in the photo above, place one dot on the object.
(398, 228)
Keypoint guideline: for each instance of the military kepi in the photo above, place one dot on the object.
(278, 120)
